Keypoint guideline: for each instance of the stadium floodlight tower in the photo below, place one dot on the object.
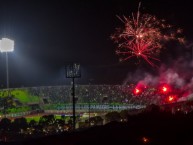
(73, 71)
(6, 45)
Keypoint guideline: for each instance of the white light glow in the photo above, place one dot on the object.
(6, 45)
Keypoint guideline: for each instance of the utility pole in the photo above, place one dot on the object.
(88, 97)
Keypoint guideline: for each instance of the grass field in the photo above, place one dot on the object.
(21, 94)
(37, 117)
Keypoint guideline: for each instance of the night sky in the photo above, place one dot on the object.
(50, 34)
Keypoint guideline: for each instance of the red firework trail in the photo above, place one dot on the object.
(140, 50)
(143, 36)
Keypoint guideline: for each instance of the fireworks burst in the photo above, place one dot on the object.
(143, 36)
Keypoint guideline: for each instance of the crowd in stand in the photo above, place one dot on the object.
(94, 94)
(56, 97)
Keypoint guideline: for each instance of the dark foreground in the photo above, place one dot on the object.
(152, 128)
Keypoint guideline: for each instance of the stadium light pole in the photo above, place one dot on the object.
(6, 45)
(73, 71)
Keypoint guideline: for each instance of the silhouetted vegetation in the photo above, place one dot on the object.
(151, 126)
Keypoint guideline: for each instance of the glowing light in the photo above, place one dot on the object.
(142, 37)
(164, 89)
(145, 140)
(6, 45)
(137, 91)
(171, 98)
(139, 88)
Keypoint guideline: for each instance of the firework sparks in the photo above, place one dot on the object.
(142, 37)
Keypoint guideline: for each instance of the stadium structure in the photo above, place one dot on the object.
(95, 98)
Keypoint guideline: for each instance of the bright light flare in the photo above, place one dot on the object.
(165, 89)
(6, 45)
(137, 91)
(139, 88)
(171, 98)
(145, 140)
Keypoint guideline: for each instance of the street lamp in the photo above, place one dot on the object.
(6, 45)
(73, 71)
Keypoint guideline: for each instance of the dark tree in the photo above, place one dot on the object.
(112, 116)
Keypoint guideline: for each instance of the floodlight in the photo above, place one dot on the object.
(6, 45)
(73, 70)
